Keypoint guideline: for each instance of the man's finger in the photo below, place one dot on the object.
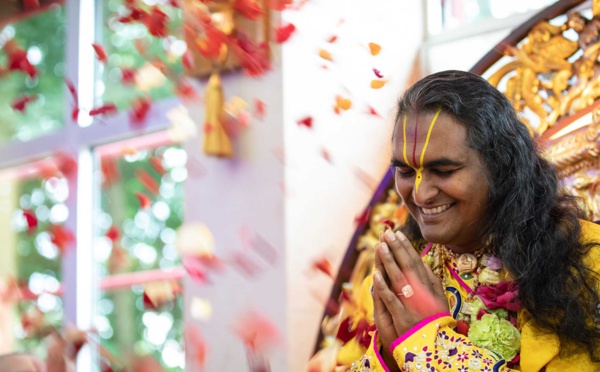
(436, 283)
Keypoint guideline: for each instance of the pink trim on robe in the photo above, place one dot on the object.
(383, 365)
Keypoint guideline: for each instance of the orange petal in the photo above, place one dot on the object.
(376, 84)
(375, 48)
(325, 55)
(343, 103)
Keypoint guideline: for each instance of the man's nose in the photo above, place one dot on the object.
(424, 192)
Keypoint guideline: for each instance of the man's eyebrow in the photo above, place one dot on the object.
(441, 162)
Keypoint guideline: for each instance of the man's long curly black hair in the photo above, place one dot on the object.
(531, 223)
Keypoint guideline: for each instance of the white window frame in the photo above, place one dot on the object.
(80, 282)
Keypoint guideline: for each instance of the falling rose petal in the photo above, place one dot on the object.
(187, 60)
(195, 270)
(144, 200)
(17, 59)
(139, 111)
(107, 109)
(372, 111)
(31, 220)
(283, 33)
(147, 181)
(258, 333)
(195, 346)
(374, 48)
(325, 154)
(377, 73)
(332, 39)
(280, 5)
(307, 122)
(156, 22)
(74, 96)
(128, 75)
(21, 103)
(100, 53)
(259, 109)
(377, 84)
(325, 55)
(156, 164)
(363, 218)
(252, 57)
(244, 265)
(365, 178)
(186, 91)
(113, 233)
(66, 164)
(200, 309)
(248, 9)
(323, 265)
(210, 45)
(265, 249)
(158, 294)
(31, 4)
(61, 237)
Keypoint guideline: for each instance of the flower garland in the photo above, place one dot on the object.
(488, 316)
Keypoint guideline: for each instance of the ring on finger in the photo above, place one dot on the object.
(407, 291)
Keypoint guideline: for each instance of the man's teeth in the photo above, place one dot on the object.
(436, 210)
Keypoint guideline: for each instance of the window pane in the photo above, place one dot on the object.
(42, 38)
(32, 213)
(458, 13)
(141, 208)
(131, 48)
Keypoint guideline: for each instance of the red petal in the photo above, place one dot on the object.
(104, 110)
(128, 75)
(113, 233)
(373, 112)
(20, 103)
(363, 218)
(188, 60)
(324, 266)
(307, 122)
(156, 22)
(31, 219)
(332, 39)
(139, 111)
(258, 333)
(377, 73)
(259, 109)
(61, 237)
(248, 9)
(100, 53)
(283, 33)
(156, 164)
(143, 199)
(147, 181)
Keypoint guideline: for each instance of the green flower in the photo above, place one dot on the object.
(497, 335)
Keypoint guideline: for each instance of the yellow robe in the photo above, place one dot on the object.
(435, 346)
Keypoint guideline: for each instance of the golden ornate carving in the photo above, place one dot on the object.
(552, 74)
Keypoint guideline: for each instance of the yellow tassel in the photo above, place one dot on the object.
(216, 140)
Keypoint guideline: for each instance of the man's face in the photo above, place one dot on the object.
(449, 204)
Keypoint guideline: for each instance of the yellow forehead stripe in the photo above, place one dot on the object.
(419, 170)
